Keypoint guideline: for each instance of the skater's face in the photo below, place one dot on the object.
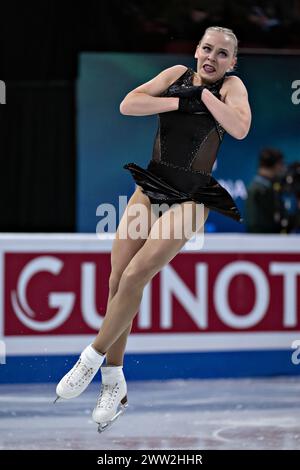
(216, 56)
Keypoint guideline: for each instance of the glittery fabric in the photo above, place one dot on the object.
(184, 151)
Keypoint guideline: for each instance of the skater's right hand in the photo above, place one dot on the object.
(186, 92)
(191, 106)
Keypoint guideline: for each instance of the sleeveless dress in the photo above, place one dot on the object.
(184, 151)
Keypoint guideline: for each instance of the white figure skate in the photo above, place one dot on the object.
(112, 400)
(81, 375)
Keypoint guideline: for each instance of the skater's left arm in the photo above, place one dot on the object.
(233, 112)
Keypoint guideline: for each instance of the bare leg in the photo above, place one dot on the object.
(154, 254)
(123, 250)
(115, 354)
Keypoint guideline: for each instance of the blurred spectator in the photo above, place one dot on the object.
(291, 195)
(173, 26)
(257, 23)
(265, 212)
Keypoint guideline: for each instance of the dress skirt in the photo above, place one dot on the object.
(163, 182)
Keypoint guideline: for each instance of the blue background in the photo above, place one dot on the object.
(107, 139)
(189, 365)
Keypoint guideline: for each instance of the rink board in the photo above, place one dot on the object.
(227, 309)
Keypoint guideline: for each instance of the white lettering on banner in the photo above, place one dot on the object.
(88, 296)
(262, 294)
(144, 316)
(289, 272)
(195, 305)
(63, 301)
(88, 300)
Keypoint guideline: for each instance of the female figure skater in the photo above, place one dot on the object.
(195, 110)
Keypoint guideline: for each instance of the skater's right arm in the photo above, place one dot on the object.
(145, 99)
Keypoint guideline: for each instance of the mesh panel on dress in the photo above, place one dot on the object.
(205, 155)
(156, 154)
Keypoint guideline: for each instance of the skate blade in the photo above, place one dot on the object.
(103, 426)
(56, 399)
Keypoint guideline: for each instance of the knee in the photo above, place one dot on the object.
(114, 281)
(129, 279)
(137, 276)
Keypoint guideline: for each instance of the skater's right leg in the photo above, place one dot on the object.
(124, 249)
(80, 376)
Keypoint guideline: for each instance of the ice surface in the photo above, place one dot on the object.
(177, 414)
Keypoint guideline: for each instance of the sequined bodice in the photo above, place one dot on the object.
(188, 141)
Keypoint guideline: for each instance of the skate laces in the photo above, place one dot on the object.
(79, 374)
(107, 396)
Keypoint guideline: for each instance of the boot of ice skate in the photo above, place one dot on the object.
(112, 400)
(81, 374)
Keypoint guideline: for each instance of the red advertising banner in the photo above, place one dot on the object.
(65, 293)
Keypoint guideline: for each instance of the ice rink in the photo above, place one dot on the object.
(178, 414)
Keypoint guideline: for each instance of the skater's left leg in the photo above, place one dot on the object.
(149, 260)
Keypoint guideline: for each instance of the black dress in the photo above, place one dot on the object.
(184, 151)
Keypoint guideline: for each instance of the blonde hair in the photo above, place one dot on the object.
(227, 32)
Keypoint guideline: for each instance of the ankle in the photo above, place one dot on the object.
(97, 350)
(92, 356)
(112, 373)
(112, 364)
